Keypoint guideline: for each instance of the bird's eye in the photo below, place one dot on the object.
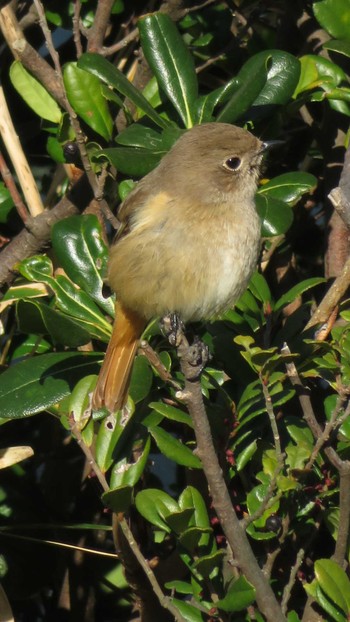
(233, 163)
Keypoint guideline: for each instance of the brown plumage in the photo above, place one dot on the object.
(189, 242)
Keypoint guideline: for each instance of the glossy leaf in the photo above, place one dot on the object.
(171, 413)
(38, 318)
(80, 248)
(141, 379)
(296, 291)
(334, 16)
(206, 565)
(317, 71)
(69, 299)
(34, 94)
(187, 611)
(334, 582)
(132, 161)
(109, 433)
(35, 384)
(137, 135)
(118, 500)
(21, 292)
(128, 473)
(179, 521)
(171, 63)
(6, 203)
(252, 79)
(108, 73)
(282, 78)
(84, 93)
(289, 187)
(206, 104)
(240, 595)
(79, 401)
(173, 449)
(276, 216)
(338, 45)
(155, 505)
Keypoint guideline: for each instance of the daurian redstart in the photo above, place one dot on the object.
(188, 243)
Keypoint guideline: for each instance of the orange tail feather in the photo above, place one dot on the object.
(113, 382)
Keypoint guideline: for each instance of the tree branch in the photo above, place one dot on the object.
(191, 362)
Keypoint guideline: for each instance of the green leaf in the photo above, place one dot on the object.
(206, 565)
(259, 287)
(240, 595)
(331, 610)
(334, 16)
(34, 94)
(109, 432)
(179, 521)
(338, 45)
(296, 291)
(317, 71)
(289, 187)
(141, 379)
(108, 73)
(171, 63)
(38, 318)
(187, 611)
(334, 582)
(192, 498)
(132, 161)
(282, 78)
(245, 456)
(126, 473)
(81, 251)
(118, 500)
(172, 413)
(252, 79)
(155, 505)
(69, 299)
(173, 449)
(78, 403)
(6, 203)
(276, 216)
(39, 382)
(85, 95)
(206, 104)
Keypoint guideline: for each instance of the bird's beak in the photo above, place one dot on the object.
(271, 144)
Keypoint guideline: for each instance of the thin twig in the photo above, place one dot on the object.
(12, 188)
(122, 523)
(330, 425)
(116, 47)
(273, 422)
(152, 356)
(293, 573)
(76, 28)
(341, 546)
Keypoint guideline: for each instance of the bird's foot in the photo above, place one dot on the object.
(173, 328)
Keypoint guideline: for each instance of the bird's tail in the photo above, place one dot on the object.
(113, 382)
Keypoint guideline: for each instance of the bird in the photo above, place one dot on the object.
(188, 243)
